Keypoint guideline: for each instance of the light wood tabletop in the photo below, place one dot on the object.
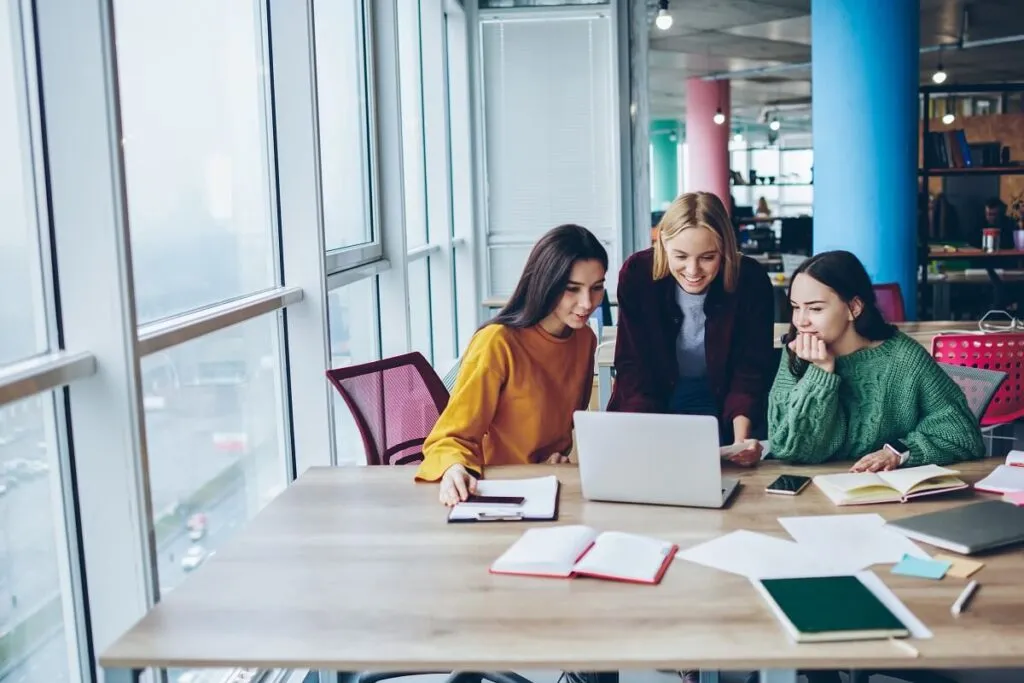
(355, 569)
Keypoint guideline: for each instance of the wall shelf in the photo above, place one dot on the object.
(973, 170)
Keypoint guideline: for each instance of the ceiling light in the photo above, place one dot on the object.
(774, 124)
(663, 20)
(719, 117)
(948, 119)
(939, 77)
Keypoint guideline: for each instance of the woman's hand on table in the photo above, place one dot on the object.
(456, 485)
(879, 461)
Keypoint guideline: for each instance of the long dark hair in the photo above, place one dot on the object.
(546, 274)
(842, 272)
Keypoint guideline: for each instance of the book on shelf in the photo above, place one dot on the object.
(578, 550)
(894, 486)
(829, 608)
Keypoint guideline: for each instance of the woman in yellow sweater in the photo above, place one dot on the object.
(526, 371)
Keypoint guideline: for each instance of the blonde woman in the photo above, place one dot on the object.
(695, 325)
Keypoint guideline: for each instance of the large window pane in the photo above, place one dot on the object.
(355, 338)
(411, 82)
(419, 307)
(215, 437)
(344, 130)
(35, 588)
(192, 85)
(22, 315)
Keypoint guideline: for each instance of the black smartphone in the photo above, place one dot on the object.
(495, 500)
(788, 484)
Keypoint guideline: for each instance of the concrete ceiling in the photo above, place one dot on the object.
(763, 40)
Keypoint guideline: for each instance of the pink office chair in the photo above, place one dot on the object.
(395, 403)
(890, 302)
(999, 352)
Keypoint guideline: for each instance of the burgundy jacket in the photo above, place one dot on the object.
(737, 340)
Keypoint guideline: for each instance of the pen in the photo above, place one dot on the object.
(965, 596)
(906, 647)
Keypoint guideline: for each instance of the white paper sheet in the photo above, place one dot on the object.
(541, 494)
(861, 540)
(895, 605)
(759, 556)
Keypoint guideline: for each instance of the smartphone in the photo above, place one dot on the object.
(494, 500)
(788, 484)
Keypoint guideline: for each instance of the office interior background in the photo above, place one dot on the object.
(206, 204)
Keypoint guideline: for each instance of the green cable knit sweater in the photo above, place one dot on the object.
(893, 391)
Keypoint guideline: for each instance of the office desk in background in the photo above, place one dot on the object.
(355, 568)
(921, 332)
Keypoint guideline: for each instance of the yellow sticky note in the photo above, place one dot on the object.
(962, 568)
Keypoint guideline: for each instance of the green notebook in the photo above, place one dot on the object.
(829, 608)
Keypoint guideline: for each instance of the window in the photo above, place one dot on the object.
(419, 307)
(35, 593)
(355, 338)
(339, 38)
(194, 110)
(22, 316)
(215, 440)
(413, 151)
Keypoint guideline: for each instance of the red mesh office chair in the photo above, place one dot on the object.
(1000, 352)
(890, 301)
(395, 403)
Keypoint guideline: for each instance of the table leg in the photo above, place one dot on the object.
(118, 675)
(604, 386)
(778, 675)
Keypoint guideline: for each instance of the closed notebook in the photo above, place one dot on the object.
(830, 608)
(966, 529)
(539, 494)
(895, 486)
(577, 550)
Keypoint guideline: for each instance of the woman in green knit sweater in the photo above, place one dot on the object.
(850, 383)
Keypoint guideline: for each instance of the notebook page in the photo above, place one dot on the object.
(620, 555)
(551, 550)
(1003, 479)
(851, 481)
(906, 479)
(540, 493)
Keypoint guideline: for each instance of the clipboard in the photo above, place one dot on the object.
(541, 495)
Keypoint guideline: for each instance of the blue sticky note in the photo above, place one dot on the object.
(921, 567)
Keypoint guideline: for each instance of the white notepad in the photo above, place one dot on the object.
(1003, 479)
(540, 494)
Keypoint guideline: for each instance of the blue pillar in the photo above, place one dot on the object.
(864, 84)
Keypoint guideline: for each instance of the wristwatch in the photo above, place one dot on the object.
(899, 449)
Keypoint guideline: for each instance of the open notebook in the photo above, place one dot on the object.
(577, 550)
(895, 486)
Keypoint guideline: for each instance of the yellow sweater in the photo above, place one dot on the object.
(513, 401)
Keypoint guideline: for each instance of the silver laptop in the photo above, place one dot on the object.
(647, 458)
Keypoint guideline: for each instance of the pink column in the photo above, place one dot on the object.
(707, 157)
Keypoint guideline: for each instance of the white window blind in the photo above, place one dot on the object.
(550, 133)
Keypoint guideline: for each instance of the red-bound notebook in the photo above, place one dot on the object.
(568, 551)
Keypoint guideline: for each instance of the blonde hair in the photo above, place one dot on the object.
(699, 210)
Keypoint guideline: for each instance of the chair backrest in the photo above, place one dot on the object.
(395, 403)
(999, 352)
(979, 385)
(890, 302)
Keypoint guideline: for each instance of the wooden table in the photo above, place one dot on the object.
(354, 569)
(921, 332)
